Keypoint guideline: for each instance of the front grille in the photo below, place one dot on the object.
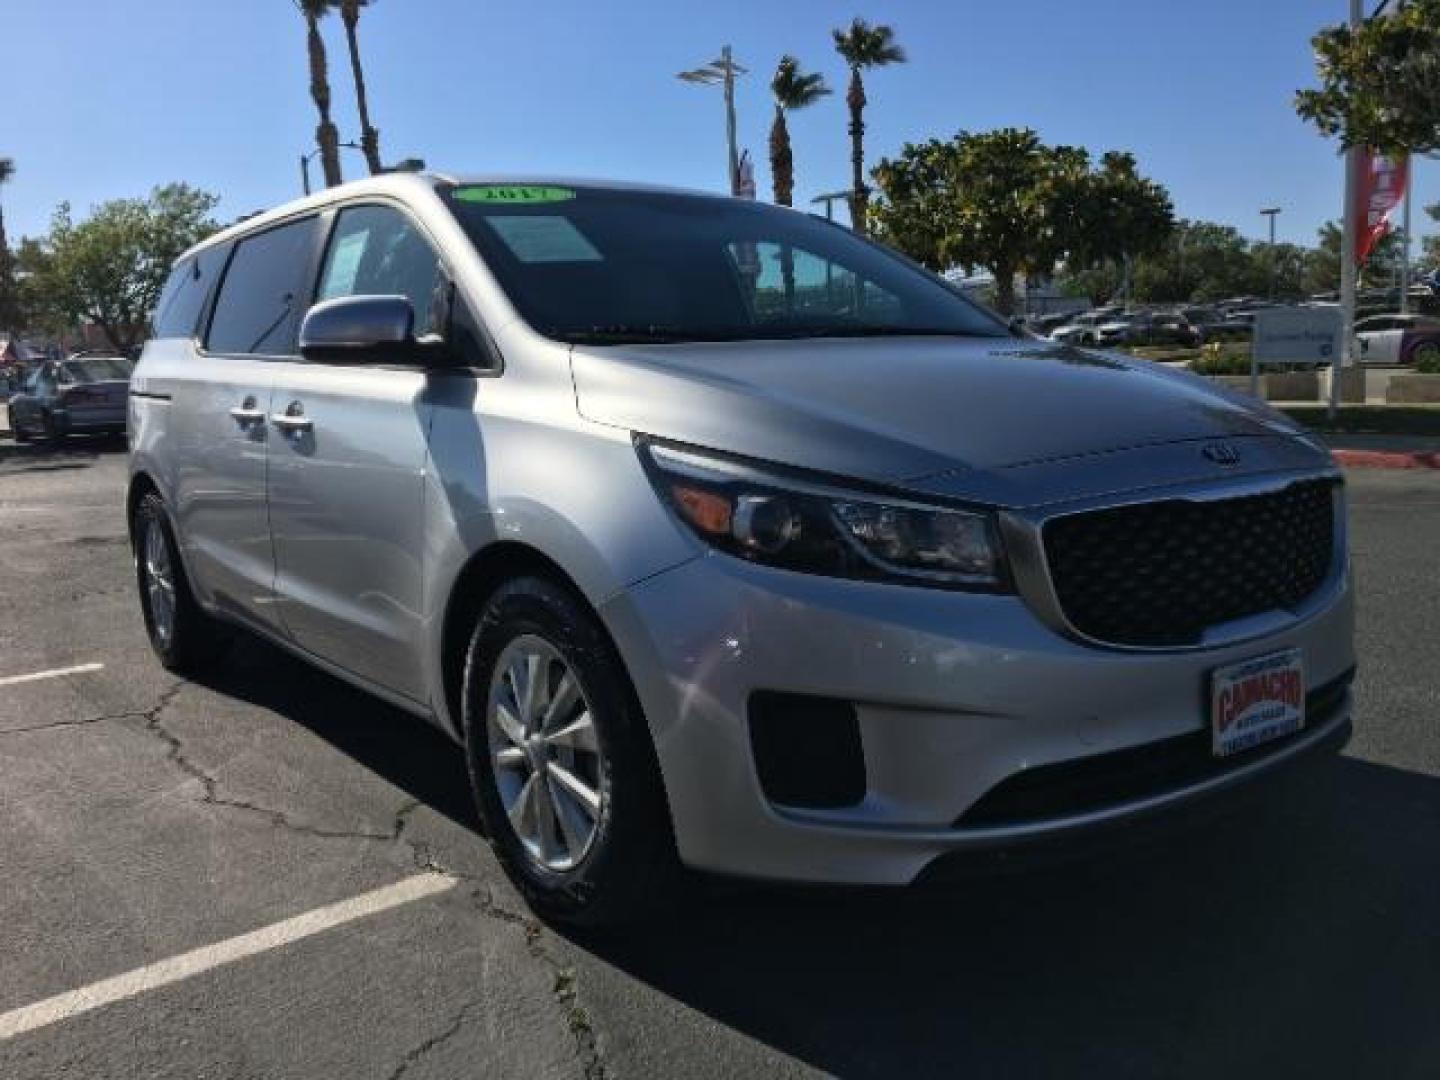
(1094, 783)
(1159, 574)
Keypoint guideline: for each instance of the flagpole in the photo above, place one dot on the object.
(1405, 255)
(1347, 260)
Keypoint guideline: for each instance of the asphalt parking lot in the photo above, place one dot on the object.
(147, 819)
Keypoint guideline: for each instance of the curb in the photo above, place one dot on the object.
(1386, 459)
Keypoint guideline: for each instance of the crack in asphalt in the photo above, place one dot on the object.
(564, 988)
(451, 1029)
(86, 721)
(210, 785)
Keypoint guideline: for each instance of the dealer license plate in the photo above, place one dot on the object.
(1255, 701)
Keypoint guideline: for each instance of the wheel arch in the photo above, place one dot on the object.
(487, 570)
(141, 484)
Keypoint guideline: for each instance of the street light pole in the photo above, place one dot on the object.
(305, 162)
(723, 71)
(1272, 212)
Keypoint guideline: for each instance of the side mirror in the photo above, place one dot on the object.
(364, 330)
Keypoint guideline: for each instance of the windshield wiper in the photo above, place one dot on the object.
(626, 333)
(865, 330)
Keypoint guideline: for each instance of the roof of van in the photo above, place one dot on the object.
(400, 183)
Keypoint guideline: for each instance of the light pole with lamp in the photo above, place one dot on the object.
(305, 162)
(1272, 212)
(722, 70)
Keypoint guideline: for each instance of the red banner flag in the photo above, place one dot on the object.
(1382, 186)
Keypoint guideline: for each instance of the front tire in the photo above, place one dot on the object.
(186, 640)
(560, 759)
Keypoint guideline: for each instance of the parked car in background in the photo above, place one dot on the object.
(1149, 328)
(1084, 329)
(84, 394)
(1398, 339)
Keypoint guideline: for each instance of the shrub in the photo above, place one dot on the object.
(1218, 359)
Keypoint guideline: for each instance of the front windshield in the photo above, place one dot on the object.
(608, 266)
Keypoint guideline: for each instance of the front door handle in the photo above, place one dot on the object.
(293, 419)
(246, 413)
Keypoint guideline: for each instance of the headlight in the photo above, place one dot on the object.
(819, 529)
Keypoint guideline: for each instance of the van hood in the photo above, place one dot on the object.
(900, 410)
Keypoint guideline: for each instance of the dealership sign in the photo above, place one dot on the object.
(1307, 335)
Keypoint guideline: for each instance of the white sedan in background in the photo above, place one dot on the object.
(1398, 339)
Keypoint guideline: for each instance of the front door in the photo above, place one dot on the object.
(347, 467)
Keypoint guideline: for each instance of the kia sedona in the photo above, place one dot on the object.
(722, 538)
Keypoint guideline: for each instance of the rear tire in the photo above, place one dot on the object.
(561, 762)
(186, 640)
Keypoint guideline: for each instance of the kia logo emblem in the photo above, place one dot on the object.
(1222, 453)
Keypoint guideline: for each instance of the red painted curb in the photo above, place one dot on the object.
(1387, 459)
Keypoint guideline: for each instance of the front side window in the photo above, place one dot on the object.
(264, 291)
(378, 251)
(603, 265)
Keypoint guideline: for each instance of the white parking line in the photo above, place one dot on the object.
(163, 973)
(55, 673)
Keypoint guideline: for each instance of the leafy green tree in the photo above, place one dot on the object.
(327, 136)
(1111, 215)
(793, 89)
(1004, 201)
(109, 269)
(1380, 83)
(863, 47)
(369, 136)
(1430, 246)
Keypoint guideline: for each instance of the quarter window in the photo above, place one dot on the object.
(378, 251)
(178, 312)
(264, 292)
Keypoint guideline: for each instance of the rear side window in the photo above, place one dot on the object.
(264, 292)
(178, 313)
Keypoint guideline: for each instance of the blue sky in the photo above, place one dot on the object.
(103, 98)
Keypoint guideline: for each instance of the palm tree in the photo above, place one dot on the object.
(326, 134)
(7, 170)
(369, 137)
(7, 278)
(792, 90)
(863, 46)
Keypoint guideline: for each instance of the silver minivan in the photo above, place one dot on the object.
(720, 537)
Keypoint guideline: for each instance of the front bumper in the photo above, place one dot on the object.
(955, 693)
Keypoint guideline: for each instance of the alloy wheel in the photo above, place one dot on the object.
(159, 582)
(544, 752)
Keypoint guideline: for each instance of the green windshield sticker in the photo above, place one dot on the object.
(515, 194)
